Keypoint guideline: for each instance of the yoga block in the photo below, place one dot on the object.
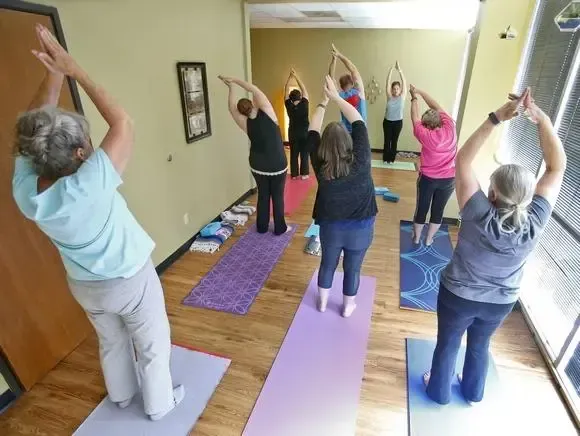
(390, 196)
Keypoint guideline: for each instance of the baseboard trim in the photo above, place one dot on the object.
(163, 266)
(6, 399)
(452, 222)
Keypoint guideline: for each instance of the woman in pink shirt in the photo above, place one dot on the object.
(435, 131)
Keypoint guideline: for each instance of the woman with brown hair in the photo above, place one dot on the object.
(268, 161)
(345, 205)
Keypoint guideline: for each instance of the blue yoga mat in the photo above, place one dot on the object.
(458, 418)
(313, 230)
(421, 267)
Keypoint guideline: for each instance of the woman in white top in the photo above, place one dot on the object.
(393, 122)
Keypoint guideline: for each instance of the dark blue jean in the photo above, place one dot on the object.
(455, 315)
(354, 241)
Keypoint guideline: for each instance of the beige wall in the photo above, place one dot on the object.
(131, 47)
(430, 59)
(493, 76)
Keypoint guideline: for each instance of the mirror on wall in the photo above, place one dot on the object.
(569, 19)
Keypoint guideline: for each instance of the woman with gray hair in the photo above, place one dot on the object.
(435, 131)
(481, 284)
(70, 191)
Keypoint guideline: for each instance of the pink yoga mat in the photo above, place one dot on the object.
(295, 192)
(314, 385)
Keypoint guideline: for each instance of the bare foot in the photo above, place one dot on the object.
(288, 229)
(348, 306)
(305, 177)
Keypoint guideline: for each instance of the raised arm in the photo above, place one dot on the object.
(49, 91)
(287, 86)
(318, 116)
(332, 67)
(353, 70)
(430, 101)
(414, 105)
(403, 80)
(465, 179)
(389, 81)
(259, 98)
(118, 142)
(554, 156)
(241, 120)
(301, 85)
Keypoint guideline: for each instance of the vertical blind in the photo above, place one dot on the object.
(548, 64)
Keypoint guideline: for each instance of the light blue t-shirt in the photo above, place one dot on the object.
(395, 108)
(86, 218)
(353, 97)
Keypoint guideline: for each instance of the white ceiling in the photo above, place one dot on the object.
(401, 14)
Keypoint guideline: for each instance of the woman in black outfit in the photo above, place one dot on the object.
(267, 158)
(296, 103)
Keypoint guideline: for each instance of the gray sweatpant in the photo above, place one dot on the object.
(129, 316)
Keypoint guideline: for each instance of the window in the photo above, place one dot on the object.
(551, 289)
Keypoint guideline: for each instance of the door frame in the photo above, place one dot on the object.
(52, 13)
(21, 6)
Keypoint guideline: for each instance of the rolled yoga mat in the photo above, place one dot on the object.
(314, 385)
(421, 267)
(397, 165)
(198, 372)
(235, 280)
(458, 418)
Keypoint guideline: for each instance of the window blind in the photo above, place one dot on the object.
(549, 62)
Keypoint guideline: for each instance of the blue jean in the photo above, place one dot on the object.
(354, 241)
(455, 315)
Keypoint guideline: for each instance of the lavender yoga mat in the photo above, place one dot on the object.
(198, 372)
(314, 385)
(233, 282)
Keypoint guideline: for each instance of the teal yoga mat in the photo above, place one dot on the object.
(404, 166)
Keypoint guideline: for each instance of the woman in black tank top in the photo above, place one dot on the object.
(267, 157)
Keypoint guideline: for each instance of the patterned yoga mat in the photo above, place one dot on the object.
(421, 267)
(233, 282)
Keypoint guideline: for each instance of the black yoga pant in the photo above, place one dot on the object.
(298, 149)
(434, 194)
(270, 188)
(391, 130)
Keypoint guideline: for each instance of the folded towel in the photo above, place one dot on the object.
(211, 229)
(313, 246)
(236, 219)
(380, 190)
(242, 208)
(204, 245)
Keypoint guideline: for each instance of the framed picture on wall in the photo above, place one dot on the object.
(194, 100)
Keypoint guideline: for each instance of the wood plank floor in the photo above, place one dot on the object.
(58, 404)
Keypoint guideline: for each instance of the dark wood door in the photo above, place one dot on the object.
(40, 323)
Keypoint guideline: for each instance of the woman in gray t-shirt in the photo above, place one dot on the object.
(480, 285)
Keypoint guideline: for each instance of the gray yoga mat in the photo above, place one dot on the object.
(458, 418)
(198, 372)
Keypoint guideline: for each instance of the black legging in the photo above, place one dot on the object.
(391, 130)
(298, 147)
(434, 193)
(270, 188)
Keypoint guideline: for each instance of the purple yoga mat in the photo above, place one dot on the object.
(314, 385)
(233, 283)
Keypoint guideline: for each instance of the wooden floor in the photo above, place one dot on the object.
(58, 404)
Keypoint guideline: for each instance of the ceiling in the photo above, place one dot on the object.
(402, 14)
